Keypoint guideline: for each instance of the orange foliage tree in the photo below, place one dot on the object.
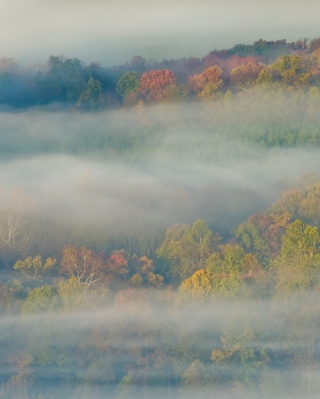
(156, 85)
(206, 83)
(245, 75)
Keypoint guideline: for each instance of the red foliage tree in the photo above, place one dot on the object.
(117, 267)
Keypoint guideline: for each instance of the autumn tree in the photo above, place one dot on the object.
(83, 264)
(293, 70)
(302, 204)
(144, 272)
(117, 268)
(206, 83)
(245, 76)
(35, 268)
(156, 84)
(289, 202)
(262, 233)
(197, 288)
(228, 273)
(309, 208)
(265, 77)
(187, 248)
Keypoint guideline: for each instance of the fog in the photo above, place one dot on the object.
(99, 177)
(151, 343)
(114, 31)
(118, 178)
(170, 164)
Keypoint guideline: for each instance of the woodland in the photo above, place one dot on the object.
(174, 287)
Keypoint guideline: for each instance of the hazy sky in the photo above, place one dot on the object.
(112, 31)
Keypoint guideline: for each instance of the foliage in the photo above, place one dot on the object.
(41, 299)
(83, 264)
(35, 267)
(128, 83)
(91, 97)
(156, 85)
(207, 83)
(187, 248)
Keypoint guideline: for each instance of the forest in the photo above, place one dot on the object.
(159, 226)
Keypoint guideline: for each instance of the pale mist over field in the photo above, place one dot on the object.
(178, 174)
(146, 332)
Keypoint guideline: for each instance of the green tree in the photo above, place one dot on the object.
(129, 82)
(91, 96)
(187, 248)
(35, 268)
(41, 299)
(293, 70)
(229, 273)
(298, 265)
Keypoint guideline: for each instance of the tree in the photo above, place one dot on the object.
(206, 83)
(245, 76)
(144, 272)
(233, 271)
(41, 299)
(156, 84)
(198, 287)
(117, 268)
(187, 248)
(194, 380)
(91, 96)
(293, 70)
(128, 83)
(265, 77)
(298, 265)
(309, 208)
(83, 264)
(289, 202)
(17, 224)
(242, 357)
(35, 267)
(138, 63)
(262, 233)
(77, 296)
(229, 273)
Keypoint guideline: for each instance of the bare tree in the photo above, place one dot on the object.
(83, 264)
(17, 224)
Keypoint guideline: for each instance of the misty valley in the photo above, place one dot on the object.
(159, 226)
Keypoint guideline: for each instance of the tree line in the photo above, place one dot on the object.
(72, 83)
